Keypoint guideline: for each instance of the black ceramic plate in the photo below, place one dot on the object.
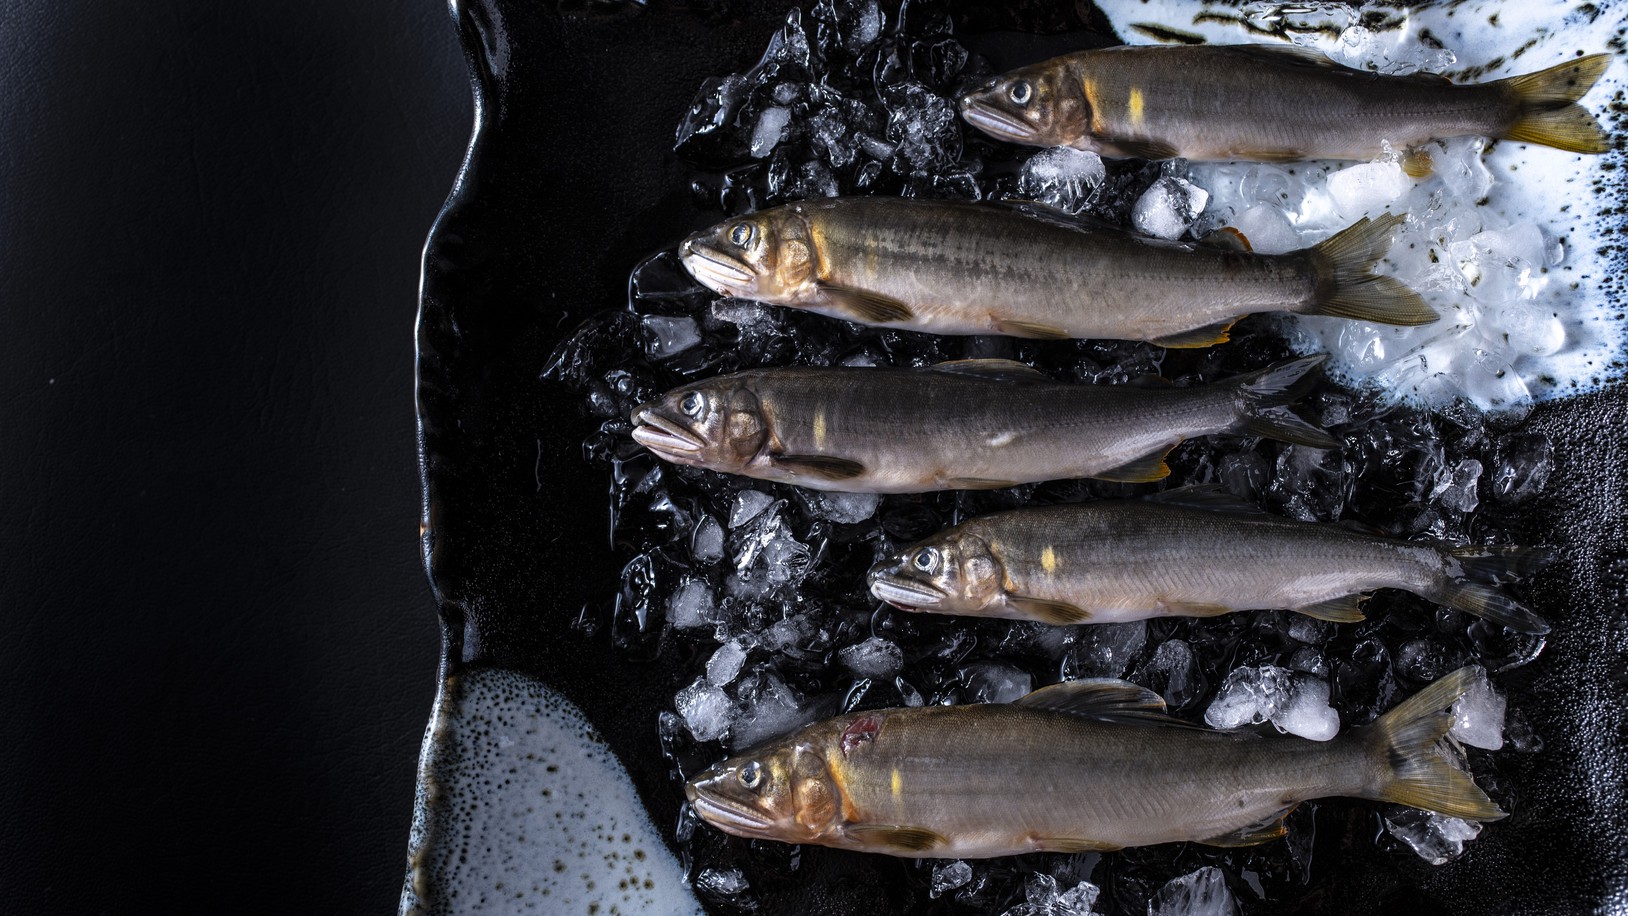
(571, 180)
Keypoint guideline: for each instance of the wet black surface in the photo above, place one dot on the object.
(541, 233)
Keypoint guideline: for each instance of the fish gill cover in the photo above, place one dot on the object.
(758, 589)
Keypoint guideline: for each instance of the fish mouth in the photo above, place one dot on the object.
(713, 268)
(903, 593)
(995, 122)
(727, 815)
(664, 436)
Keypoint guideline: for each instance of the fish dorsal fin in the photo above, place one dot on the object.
(1285, 54)
(1104, 699)
(1005, 370)
(1210, 497)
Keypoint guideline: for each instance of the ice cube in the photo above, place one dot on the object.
(725, 883)
(708, 712)
(1062, 177)
(1309, 630)
(726, 663)
(1202, 893)
(846, 508)
(707, 543)
(1249, 696)
(1306, 711)
(749, 504)
(949, 876)
(1171, 672)
(1456, 487)
(1522, 468)
(1105, 649)
(769, 708)
(1478, 716)
(1437, 839)
(771, 126)
(874, 658)
(1367, 189)
(690, 605)
(666, 337)
(995, 682)
(1267, 228)
(1078, 900)
(1168, 207)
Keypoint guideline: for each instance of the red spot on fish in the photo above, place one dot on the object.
(860, 731)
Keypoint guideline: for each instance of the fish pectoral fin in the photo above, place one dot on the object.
(824, 467)
(1005, 370)
(1060, 613)
(866, 307)
(1140, 147)
(1105, 699)
(1264, 832)
(1146, 469)
(1071, 844)
(1015, 328)
(1207, 336)
(910, 839)
(978, 483)
(1210, 497)
(1344, 609)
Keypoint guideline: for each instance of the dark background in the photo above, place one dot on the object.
(220, 647)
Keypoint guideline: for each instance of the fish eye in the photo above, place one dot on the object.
(751, 775)
(741, 235)
(692, 404)
(926, 559)
(1020, 92)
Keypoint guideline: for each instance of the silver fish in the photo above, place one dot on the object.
(1196, 551)
(950, 267)
(1273, 104)
(1082, 766)
(970, 424)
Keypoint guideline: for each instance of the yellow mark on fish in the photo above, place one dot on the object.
(1136, 105)
(898, 783)
(819, 429)
(1048, 561)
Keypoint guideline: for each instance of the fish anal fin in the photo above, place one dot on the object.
(1344, 609)
(1054, 612)
(1264, 832)
(1227, 239)
(894, 836)
(866, 307)
(1418, 163)
(1104, 699)
(979, 483)
(1005, 370)
(1071, 844)
(823, 467)
(1207, 336)
(1012, 327)
(1146, 469)
(1194, 609)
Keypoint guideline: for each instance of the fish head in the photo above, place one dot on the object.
(781, 790)
(954, 572)
(766, 256)
(1036, 105)
(717, 423)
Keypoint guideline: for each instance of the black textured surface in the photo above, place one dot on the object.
(541, 233)
(218, 652)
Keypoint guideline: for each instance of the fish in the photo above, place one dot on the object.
(1082, 766)
(1022, 270)
(1272, 104)
(963, 425)
(1194, 551)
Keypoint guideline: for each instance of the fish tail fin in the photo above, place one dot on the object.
(1264, 398)
(1472, 576)
(1402, 745)
(1546, 109)
(1351, 289)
